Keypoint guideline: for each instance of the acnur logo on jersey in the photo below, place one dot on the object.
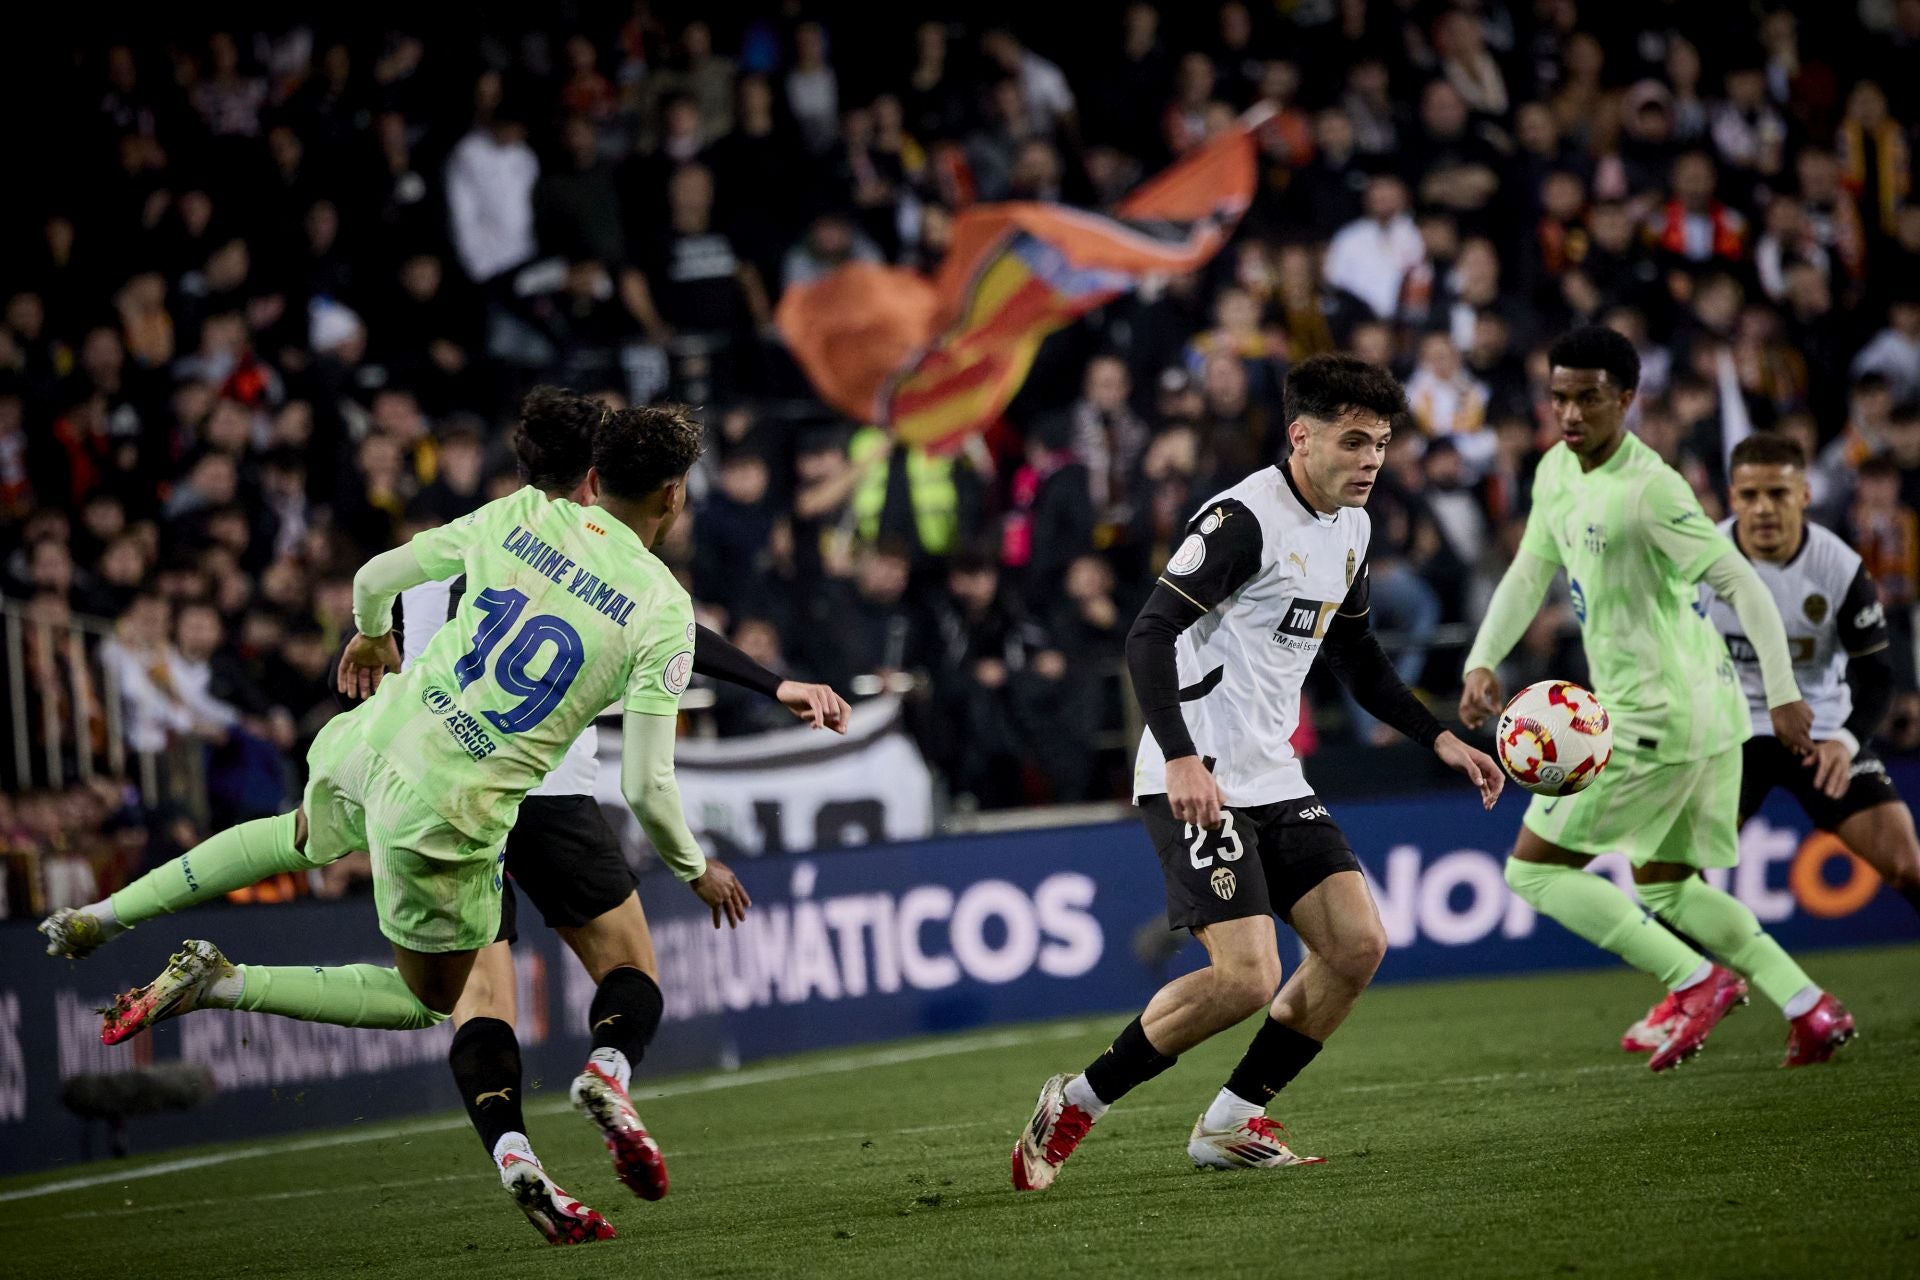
(1303, 622)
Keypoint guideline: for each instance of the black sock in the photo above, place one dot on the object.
(625, 1013)
(485, 1058)
(1278, 1054)
(1130, 1061)
(1912, 894)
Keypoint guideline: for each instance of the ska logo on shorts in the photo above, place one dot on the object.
(1225, 883)
(1189, 557)
(679, 670)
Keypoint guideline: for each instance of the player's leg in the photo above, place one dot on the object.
(1345, 942)
(1872, 820)
(616, 948)
(436, 892)
(485, 1058)
(1703, 834)
(1883, 837)
(1764, 763)
(569, 863)
(232, 859)
(1219, 893)
(316, 833)
(1553, 880)
(1316, 885)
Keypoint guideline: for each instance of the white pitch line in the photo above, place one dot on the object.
(837, 1065)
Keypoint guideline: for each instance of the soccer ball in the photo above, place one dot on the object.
(1554, 738)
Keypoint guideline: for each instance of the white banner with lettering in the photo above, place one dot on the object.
(792, 790)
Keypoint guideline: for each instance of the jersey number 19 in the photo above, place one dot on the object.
(538, 695)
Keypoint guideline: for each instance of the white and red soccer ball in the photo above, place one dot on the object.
(1554, 738)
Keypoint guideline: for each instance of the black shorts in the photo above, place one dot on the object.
(562, 854)
(1294, 844)
(1765, 764)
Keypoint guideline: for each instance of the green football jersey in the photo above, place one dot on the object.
(565, 613)
(1634, 542)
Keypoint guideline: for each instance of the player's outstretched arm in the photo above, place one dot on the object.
(647, 782)
(817, 704)
(371, 654)
(1354, 653)
(1515, 602)
(1734, 580)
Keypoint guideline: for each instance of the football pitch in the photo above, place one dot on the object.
(1473, 1128)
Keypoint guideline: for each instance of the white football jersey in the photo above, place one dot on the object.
(1270, 573)
(423, 611)
(1832, 612)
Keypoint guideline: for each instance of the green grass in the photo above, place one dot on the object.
(1482, 1128)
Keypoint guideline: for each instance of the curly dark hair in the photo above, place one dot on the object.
(1768, 449)
(638, 450)
(1595, 346)
(554, 441)
(1328, 387)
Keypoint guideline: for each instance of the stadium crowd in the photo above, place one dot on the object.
(277, 309)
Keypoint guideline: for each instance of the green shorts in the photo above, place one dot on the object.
(435, 888)
(1652, 812)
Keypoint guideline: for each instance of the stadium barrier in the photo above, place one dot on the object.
(843, 947)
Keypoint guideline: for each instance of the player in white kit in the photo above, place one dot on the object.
(1272, 574)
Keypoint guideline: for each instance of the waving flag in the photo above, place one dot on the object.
(935, 361)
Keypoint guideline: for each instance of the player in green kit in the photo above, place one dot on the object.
(1634, 542)
(566, 612)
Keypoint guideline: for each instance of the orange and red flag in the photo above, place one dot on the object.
(937, 361)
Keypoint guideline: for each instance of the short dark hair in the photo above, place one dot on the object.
(1326, 387)
(554, 441)
(1768, 449)
(636, 451)
(1595, 346)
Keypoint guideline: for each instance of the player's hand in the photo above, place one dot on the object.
(817, 704)
(1832, 766)
(1477, 765)
(1480, 699)
(1793, 725)
(1193, 792)
(723, 893)
(365, 662)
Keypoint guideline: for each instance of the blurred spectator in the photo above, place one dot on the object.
(490, 181)
(1370, 256)
(278, 309)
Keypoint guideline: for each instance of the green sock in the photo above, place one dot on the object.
(1593, 907)
(1725, 927)
(233, 859)
(353, 995)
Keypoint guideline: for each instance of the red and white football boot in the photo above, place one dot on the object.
(1259, 1142)
(1651, 1031)
(637, 1160)
(554, 1213)
(1049, 1138)
(1702, 1005)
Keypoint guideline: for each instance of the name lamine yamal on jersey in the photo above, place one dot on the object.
(556, 564)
